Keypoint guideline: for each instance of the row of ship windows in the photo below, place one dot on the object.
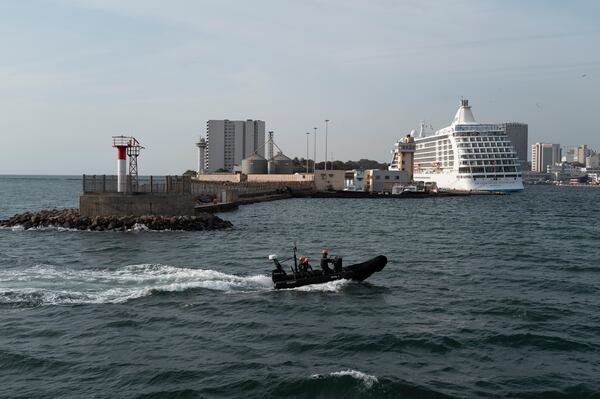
(489, 169)
(499, 162)
(489, 156)
(430, 164)
(433, 139)
(488, 144)
(433, 152)
(484, 138)
(475, 157)
(476, 134)
(433, 159)
(433, 144)
(487, 150)
(493, 177)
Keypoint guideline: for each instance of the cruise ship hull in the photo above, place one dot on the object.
(449, 181)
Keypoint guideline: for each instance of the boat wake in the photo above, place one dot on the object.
(331, 286)
(52, 285)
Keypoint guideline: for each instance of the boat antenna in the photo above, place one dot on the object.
(295, 258)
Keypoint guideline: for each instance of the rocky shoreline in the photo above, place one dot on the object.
(71, 219)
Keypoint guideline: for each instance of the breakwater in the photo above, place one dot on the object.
(71, 219)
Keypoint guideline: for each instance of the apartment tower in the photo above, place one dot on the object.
(544, 155)
(228, 142)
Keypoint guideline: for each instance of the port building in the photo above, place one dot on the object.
(403, 156)
(228, 142)
(544, 155)
(383, 181)
(517, 134)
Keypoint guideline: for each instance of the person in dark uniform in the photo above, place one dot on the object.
(325, 262)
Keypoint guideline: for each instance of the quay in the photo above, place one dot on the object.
(407, 194)
(184, 196)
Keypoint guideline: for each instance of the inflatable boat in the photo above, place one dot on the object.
(302, 273)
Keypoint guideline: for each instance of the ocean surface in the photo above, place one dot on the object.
(483, 297)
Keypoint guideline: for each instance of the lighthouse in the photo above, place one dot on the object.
(201, 144)
(126, 146)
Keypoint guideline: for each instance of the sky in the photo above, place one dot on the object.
(73, 73)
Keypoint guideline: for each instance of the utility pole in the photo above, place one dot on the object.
(307, 134)
(315, 154)
(326, 122)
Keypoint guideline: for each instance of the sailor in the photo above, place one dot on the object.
(303, 264)
(325, 262)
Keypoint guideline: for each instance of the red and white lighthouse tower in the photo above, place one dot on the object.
(126, 146)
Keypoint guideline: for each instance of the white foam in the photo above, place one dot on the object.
(139, 227)
(48, 284)
(367, 379)
(50, 227)
(331, 286)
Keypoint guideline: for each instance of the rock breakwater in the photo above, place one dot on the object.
(71, 219)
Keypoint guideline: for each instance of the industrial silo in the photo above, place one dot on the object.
(254, 165)
(281, 165)
(271, 167)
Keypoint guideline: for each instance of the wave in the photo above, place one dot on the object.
(47, 284)
(137, 227)
(50, 227)
(366, 379)
(546, 342)
(331, 286)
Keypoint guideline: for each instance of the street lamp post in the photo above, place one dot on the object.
(307, 134)
(326, 122)
(315, 153)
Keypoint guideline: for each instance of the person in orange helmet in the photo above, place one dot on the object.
(303, 264)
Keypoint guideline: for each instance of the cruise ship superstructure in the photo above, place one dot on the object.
(466, 155)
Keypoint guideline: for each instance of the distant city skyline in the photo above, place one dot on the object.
(76, 72)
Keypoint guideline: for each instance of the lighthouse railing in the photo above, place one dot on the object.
(99, 184)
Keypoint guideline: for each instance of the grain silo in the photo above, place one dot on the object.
(281, 165)
(254, 165)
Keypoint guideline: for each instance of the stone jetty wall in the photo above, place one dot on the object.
(136, 204)
(72, 219)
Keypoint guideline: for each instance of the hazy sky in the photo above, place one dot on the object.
(73, 73)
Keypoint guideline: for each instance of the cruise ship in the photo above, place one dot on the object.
(466, 155)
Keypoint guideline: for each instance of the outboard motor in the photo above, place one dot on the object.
(278, 274)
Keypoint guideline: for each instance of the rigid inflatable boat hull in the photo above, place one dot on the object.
(357, 272)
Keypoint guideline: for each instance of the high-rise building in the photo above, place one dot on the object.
(517, 134)
(569, 154)
(582, 154)
(231, 141)
(593, 161)
(544, 155)
(576, 154)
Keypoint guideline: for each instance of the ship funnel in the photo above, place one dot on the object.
(464, 115)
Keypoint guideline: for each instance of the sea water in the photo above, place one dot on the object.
(483, 296)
